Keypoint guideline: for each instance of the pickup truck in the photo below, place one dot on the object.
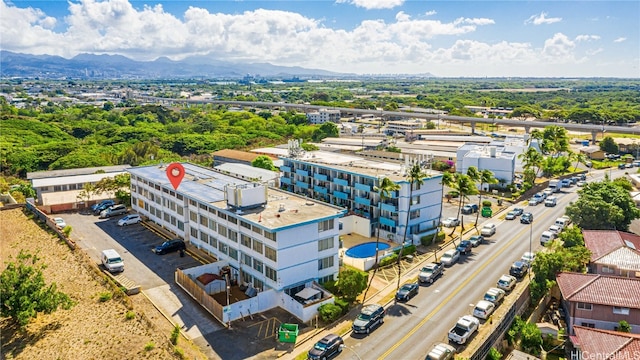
(430, 272)
(464, 328)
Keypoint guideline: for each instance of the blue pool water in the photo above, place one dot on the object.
(365, 250)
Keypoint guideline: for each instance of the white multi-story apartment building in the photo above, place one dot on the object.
(272, 240)
(349, 182)
(487, 157)
(324, 115)
(403, 126)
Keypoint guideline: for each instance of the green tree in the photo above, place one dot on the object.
(624, 326)
(264, 162)
(23, 291)
(531, 160)
(484, 177)
(609, 145)
(415, 177)
(531, 338)
(351, 283)
(603, 205)
(571, 236)
(384, 190)
(463, 184)
(325, 130)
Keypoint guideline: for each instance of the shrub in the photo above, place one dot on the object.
(453, 194)
(149, 346)
(178, 352)
(408, 250)
(391, 259)
(343, 304)
(130, 315)
(486, 203)
(331, 286)
(67, 230)
(175, 333)
(105, 296)
(494, 354)
(329, 312)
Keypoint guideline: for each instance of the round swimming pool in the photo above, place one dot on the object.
(365, 250)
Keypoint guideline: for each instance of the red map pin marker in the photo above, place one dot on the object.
(175, 173)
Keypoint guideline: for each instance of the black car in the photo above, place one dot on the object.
(526, 218)
(103, 205)
(407, 291)
(370, 316)
(326, 348)
(519, 269)
(465, 247)
(170, 246)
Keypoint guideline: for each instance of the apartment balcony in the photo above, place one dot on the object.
(320, 189)
(388, 222)
(388, 207)
(301, 172)
(320, 177)
(302, 185)
(362, 201)
(363, 187)
(285, 180)
(286, 169)
(341, 195)
(341, 182)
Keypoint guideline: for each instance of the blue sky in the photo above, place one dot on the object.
(473, 38)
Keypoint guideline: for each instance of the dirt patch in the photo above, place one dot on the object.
(92, 329)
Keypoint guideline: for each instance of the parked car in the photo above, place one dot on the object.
(534, 201)
(450, 257)
(528, 257)
(469, 209)
(518, 211)
(546, 237)
(555, 229)
(430, 272)
(465, 247)
(441, 352)
(102, 205)
(511, 215)
(526, 218)
(327, 347)
(170, 246)
(114, 210)
(488, 230)
(407, 291)
(566, 183)
(476, 240)
(463, 329)
(494, 295)
(581, 183)
(112, 261)
(451, 222)
(370, 316)
(519, 269)
(507, 282)
(60, 223)
(483, 309)
(130, 219)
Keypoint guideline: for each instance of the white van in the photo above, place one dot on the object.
(546, 237)
(562, 222)
(112, 260)
(551, 201)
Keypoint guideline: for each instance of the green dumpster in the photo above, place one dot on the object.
(288, 333)
(487, 212)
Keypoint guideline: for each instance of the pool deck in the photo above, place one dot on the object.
(351, 240)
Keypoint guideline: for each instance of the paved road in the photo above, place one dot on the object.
(411, 330)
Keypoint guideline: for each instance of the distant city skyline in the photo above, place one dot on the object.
(473, 38)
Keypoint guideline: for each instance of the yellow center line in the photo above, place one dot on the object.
(454, 293)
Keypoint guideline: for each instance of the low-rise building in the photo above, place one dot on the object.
(266, 239)
(592, 152)
(234, 157)
(62, 190)
(614, 253)
(599, 301)
(486, 157)
(250, 173)
(324, 115)
(589, 343)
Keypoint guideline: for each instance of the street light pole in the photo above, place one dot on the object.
(530, 236)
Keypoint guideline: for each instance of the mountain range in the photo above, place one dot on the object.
(94, 67)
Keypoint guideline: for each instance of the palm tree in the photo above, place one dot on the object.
(416, 176)
(385, 190)
(464, 186)
(580, 158)
(532, 159)
(447, 180)
(486, 177)
(474, 175)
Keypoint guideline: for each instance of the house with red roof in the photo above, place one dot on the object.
(588, 343)
(599, 301)
(614, 253)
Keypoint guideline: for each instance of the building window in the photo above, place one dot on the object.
(223, 247)
(179, 197)
(180, 225)
(222, 230)
(193, 216)
(245, 240)
(233, 235)
(584, 306)
(202, 206)
(257, 246)
(589, 325)
(620, 310)
(245, 224)
(213, 242)
(270, 235)
(256, 230)
(325, 279)
(194, 232)
(212, 225)
(180, 210)
(608, 270)
(204, 220)
(204, 237)
(258, 284)
(247, 260)
(415, 200)
(325, 225)
(325, 263)
(414, 214)
(233, 220)
(257, 265)
(325, 244)
(233, 253)
(270, 273)
(222, 215)
(193, 203)
(270, 253)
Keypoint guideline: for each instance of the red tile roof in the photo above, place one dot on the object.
(605, 344)
(603, 242)
(600, 289)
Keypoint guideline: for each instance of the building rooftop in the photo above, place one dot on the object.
(236, 154)
(205, 185)
(606, 344)
(604, 242)
(247, 171)
(600, 289)
(75, 172)
(358, 165)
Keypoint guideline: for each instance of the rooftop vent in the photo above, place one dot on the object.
(281, 208)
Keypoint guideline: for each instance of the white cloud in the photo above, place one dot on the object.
(620, 39)
(559, 48)
(402, 16)
(580, 38)
(430, 13)
(373, 4)
(594, 51)
(541, 19)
